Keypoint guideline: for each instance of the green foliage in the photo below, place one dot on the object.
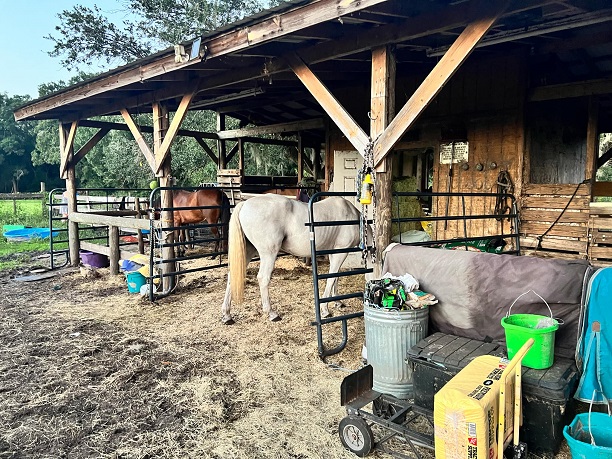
(16, 143)
(85, 36)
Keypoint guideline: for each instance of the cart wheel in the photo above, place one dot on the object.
(356, 435)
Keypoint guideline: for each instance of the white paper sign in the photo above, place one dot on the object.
(455, 152)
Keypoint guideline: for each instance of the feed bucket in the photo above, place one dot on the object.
(389, 335)
(135, 280)
(589, 436)
(520, 327)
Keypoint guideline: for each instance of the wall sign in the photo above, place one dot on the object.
(455, 152)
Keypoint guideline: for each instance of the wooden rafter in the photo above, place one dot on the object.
(140, 140)
(568, 90)
(433, 83)
(86, 148)
(68, 146)
(345, 122)
(232, 152)
(177, 120)
(280, 128)
(207, 149)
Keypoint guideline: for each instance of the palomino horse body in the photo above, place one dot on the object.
(208, 204)
(267, 224)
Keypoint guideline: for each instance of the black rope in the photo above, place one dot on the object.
(539, 238)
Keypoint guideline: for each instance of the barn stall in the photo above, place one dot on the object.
(457, 97)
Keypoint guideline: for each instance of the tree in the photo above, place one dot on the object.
(86, 37)
(16, 143)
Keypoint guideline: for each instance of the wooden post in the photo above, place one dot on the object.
(300, 158)
(592, 146)
(381, 113)
(67, 148)
(113, 245)
(160, 125)
(221, 149)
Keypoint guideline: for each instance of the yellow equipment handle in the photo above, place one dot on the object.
(515, 367)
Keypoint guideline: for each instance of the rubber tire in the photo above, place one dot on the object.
(356, 435)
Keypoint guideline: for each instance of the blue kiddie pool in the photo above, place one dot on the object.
(27, 234)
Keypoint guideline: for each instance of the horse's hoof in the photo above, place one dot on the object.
(325, 314)
(340, 305)
(275, 319)
(229, 321)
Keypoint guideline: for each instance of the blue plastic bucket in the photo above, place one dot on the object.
(580, 432)
(135, 280)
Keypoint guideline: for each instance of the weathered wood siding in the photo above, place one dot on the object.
(600, 234)
(486, 98)
(542, 205)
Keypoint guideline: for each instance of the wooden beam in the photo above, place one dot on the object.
(382, 110)
(569, 90)
(602, 189)
(294, 126)
(345, 122)
(140, 140)
(86, 148)
(177, 120)
(108, 220)
(433, 83)
(207, 149)
(232, 152)
(221, 151)
(105, 250)
(149, 129)
(592, 140)
(68, 148)
(285, 23)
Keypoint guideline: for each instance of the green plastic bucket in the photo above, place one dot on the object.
(135, 280)
(520, 327)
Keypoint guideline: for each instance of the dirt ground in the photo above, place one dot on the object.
(92, 371)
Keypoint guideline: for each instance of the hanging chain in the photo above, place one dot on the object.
(367, 169)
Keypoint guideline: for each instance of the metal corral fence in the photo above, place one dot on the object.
(316, 276)
(201, 233)
(110, 201)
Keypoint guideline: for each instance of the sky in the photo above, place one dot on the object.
(24, 62)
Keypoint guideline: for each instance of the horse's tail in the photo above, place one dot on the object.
(237, 256)
(225, 217)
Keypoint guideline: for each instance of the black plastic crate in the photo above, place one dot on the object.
(547, 402)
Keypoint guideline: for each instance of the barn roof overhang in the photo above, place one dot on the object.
(242, 70)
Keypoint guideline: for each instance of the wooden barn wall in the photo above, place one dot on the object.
(483, 102)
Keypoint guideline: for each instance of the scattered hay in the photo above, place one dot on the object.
(91, 371)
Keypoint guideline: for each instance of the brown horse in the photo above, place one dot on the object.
(210, 205)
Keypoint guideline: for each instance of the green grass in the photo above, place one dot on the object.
(26, 213)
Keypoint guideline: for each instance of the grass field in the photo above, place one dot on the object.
(27, 213)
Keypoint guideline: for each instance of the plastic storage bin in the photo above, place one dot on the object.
(547, 402)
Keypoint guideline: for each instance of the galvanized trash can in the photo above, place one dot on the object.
(389, 335)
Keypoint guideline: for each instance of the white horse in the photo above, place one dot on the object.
(267, 224)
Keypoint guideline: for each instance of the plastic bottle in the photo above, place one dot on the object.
(366, 190)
